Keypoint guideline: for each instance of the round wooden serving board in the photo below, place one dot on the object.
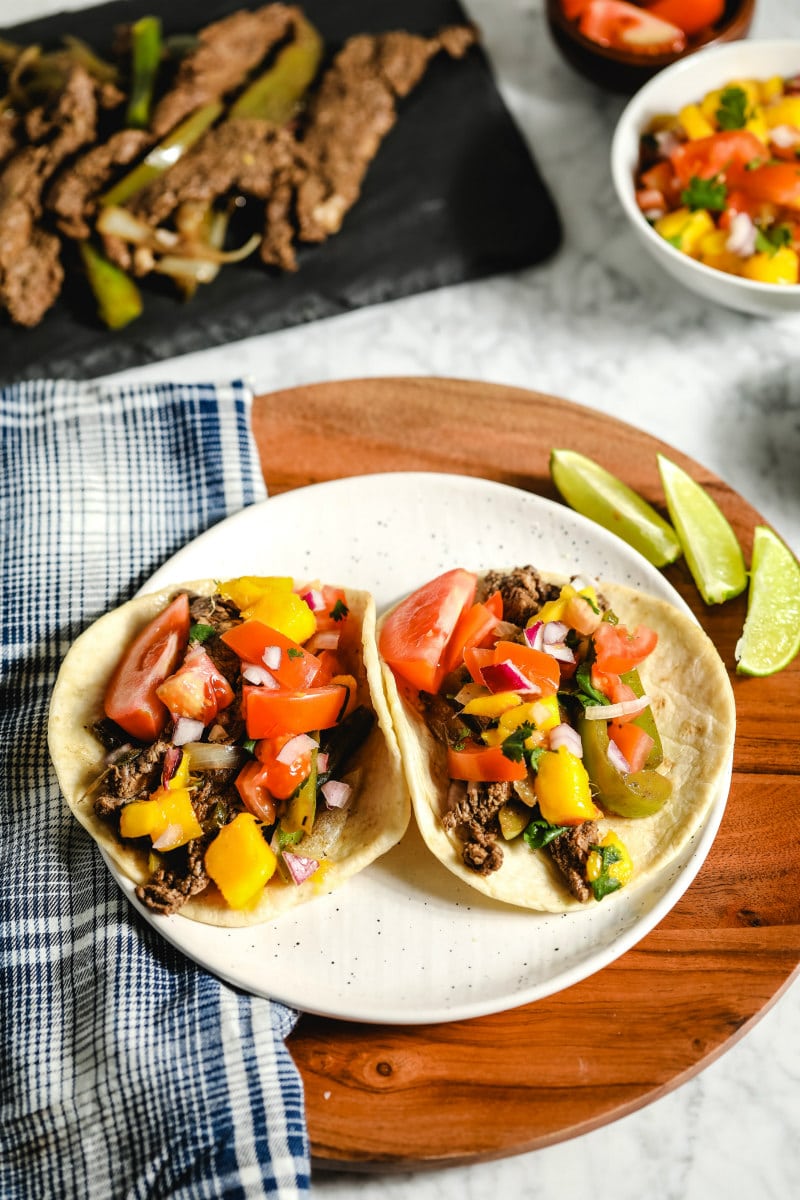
(389, 1097)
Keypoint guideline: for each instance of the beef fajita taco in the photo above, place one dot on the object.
(561, 740)
(229, 745)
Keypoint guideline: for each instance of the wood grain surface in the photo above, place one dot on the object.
(380, 1097)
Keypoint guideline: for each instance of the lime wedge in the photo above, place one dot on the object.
(712, 551)
(771, 635)
(596, 493)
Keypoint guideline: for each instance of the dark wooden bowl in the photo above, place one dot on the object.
(625, 73)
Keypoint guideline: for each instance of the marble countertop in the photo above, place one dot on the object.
(598, 324)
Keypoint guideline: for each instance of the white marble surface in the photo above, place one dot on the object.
(600, 325)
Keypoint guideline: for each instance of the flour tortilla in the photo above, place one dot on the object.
(693, 706)
(375, 820)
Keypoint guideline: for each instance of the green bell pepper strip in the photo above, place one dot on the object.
(275, 95)
(145, 61)
(639, 794)
(119, 300)
(302, 807)
(164, 155)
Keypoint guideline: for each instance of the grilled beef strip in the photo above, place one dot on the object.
(30, 268)
(72, 196)
(227, 51)
(569, 851)
(136, 773)
(473, 818)
(523, 591)
(351, 113)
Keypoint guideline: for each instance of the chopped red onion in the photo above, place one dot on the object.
(337, 794)
(565, 735)
(314, 599)
(272, 657)
(166, 840)
(608, 712)
(742, 233)
(172, 760)
(533, 635)
(322, 762)
(784, 136)
(253, 673)
(187, 730)
(554, 631)
(506, 677)
(299, 867)
(328, 639)
(618, 759)
(300, 744)
(560, 652)
(666, 142)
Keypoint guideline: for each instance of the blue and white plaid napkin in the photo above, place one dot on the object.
(126, 1070)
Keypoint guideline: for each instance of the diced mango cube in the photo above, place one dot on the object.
(285, 611)
(180, 824)
(713, 251)
(239, 861)
(140, 818)
(757, 125)
(562, 789)
(709, 105)
(492, 705)
(553, 610)
(771, 89)
(785, 111)
(245, 590)
(621, 870)
(781, 267)
(685, 229)
(695, 125)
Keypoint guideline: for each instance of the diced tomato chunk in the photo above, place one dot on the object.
(618, 650)
(131, 696)
(718, 154)
(632, 741)
(296, 668)
(473, 628)
(773, 183)
(252, 784)
(692, 16)
(198, 690)
(270, 713)
(416, 633)
(483, 764)
(282, 778)
(623, 26)
(535, 665)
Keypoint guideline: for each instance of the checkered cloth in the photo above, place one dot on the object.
(126, 1070)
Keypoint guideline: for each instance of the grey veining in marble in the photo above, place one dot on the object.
(600, 325)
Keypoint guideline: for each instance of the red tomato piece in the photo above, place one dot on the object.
(717, 154)
(334, 611)
(473, 627)
(483, 764)
(270, 713)
(692, 16)
(495, 604)
(661, 177)
(573, 8)
(415, 635)
(618, 650)
(633, 741)
(131, 696)
(738, 202)
(611, 686)
(282, 778)
(252, 785)
(622, 26)
(475, 658)
(197, 690)
(773, 183)
(538, 667)
(651, 200)
(297, 668)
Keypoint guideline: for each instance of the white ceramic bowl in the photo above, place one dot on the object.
(683, 83)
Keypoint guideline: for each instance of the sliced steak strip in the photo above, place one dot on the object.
(351, 113)
(73, 194)
(135, 774)
(523, 591)
(473, 818)
(227, 52)
(569, 851)
(30, 269)
(252, 157)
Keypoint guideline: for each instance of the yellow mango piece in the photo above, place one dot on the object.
(713, 251)
(771, 89)
(140, 818)
(562, 789)
(239, 861)
(285, 611)
(785, 111)
(709, 105)
(757, 125)
(553, 610)
(685, 229)
(179, 824)
(622, 870)
(492, 706)
(695, 124)
(247, 589)
(781, 267)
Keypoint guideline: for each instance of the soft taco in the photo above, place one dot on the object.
(229, 745)
(561, 740)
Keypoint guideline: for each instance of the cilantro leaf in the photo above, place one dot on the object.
(770, 238)
(200, 632)
(514, 747)
(733, 112)
(293, 652)
(711, 194)
(587, 693)
(540, 833)
(339, 611)
(605, 883)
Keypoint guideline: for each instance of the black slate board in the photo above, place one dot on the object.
(452, 195)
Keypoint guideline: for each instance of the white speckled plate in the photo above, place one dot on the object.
(405, 942)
